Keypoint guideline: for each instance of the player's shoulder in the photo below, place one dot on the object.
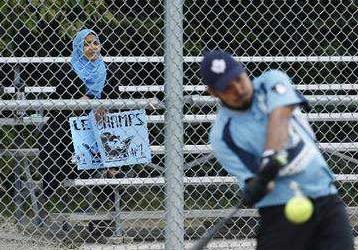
(273, 77)
(274, 73)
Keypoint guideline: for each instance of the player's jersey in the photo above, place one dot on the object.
(238, 141)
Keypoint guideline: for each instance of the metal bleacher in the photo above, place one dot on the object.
(24, 186)
(198, 100)
(338, 148)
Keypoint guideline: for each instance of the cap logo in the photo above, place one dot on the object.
(218, 66)
(280, 88)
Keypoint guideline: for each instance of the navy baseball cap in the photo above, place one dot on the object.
(218, 68)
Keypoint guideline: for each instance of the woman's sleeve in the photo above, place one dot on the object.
(109, 91)
(71, 86)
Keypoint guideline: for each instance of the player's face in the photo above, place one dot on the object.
(239, 93)
(92, 47)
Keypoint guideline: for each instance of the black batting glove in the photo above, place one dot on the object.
(254, 191)
(258, 187)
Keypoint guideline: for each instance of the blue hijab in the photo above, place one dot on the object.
(92, 73)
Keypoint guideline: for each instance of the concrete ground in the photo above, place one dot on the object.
(214, 245)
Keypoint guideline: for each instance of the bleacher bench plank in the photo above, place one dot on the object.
(312, 99)
(11, 90)
(205, 149)
(187, 59)
(76, 104)
(160, 214)
(201, 88)
(158, 181)
(190, 118)
(24, 121)
(310, 116)
(21, 152)
(135, 215)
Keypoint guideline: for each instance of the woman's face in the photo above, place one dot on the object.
(91, 47)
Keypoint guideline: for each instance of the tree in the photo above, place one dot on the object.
(46, 28)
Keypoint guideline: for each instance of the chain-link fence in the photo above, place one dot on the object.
(151, 50)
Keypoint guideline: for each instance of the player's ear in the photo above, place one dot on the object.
(212, 92)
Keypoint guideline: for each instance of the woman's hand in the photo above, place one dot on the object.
(100, 114)
(112, 172)
(84, 97)
(80, 112)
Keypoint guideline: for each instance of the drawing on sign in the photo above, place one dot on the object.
(116, 148)
(94, 151)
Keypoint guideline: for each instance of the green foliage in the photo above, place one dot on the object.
(41, 19)
(322, 33)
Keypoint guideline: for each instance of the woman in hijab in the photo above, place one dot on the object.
(85, 80)
(87, 62)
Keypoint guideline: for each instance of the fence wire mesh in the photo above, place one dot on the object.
(42, 201)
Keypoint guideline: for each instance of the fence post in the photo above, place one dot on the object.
(173, 63)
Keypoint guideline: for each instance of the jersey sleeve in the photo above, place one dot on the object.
(230, 161)
(279, 91)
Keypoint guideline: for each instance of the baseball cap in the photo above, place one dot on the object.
(218, 68)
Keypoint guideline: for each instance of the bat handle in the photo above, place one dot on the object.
(213, 230)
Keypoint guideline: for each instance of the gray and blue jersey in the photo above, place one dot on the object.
(238, 140)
